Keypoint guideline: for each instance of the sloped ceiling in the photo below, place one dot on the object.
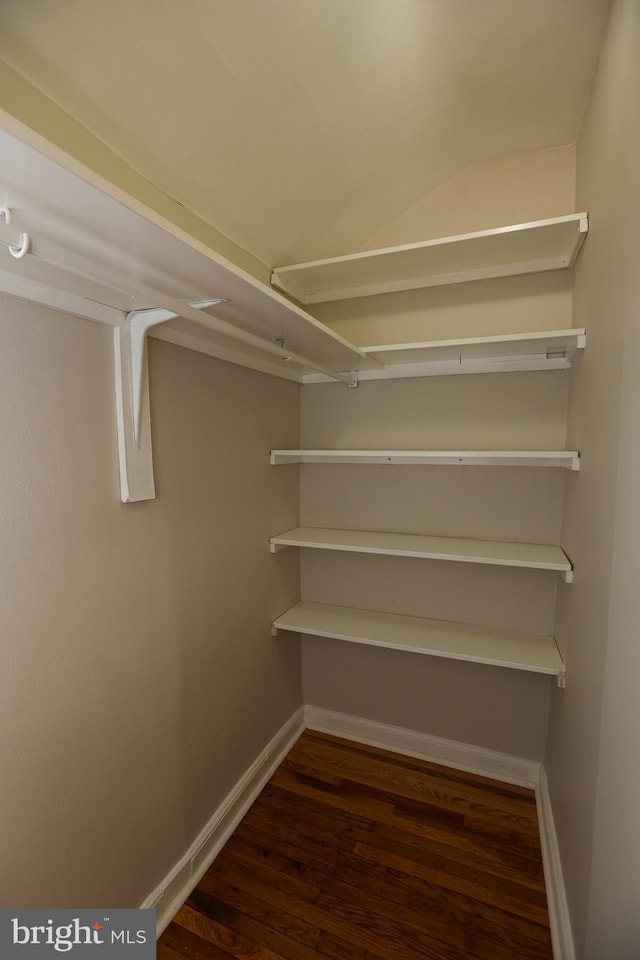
(299, 128)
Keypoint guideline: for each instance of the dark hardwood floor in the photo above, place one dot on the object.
(354, 853)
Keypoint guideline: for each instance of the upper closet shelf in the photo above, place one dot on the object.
(102, 258)
(522, 248)
(72, 241)
(569, 459)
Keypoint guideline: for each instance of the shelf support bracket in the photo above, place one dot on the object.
(562, 680)
(133, 416)
(277, 547)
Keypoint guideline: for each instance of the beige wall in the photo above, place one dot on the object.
(495, 708)
(525, 187)
(513, 189)
(31, 114)
(138, 679)
(594, 736)
(500, 709)
(540, 301)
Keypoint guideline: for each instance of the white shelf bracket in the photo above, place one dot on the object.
(133, 415)
(567, 576)
(274, 630)
(277, 547)
(562, 680)
(353, 379)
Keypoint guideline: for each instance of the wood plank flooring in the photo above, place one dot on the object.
(354, 853)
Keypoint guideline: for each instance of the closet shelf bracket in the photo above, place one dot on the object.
(133, 417)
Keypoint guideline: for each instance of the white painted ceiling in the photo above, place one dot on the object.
(299, 128)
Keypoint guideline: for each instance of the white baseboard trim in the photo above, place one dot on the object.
(559, 919)
(169, 896)
(451, 753)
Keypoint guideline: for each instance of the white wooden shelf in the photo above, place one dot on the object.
(547, 343)
(437, 638)
(506, 251)
(534, 556)
(506, 353)
(105, 254)
(93, 252)
(548, 350)
(569, 459)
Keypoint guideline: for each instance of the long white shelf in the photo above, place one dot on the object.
(87, 249)
(106, 253)
(521, 248)
(535, 556)
(545, 343)
(569, 459)
(437, 638)
(505, 353)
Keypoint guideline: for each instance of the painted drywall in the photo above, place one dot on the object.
(540, 301)
(139, 679)
(298, 128)
(513, 189)
(518, 189)
(594, 733)
(500, 709)
(31, 115)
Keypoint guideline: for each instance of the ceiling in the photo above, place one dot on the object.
(299, 128)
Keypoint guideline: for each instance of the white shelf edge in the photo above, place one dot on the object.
(337, 623)
(444, 368)
(582, 219)
(576, 334)
(440, 280)
(567, 459)
(121, 252)
(285, 277)
(423, 547)
(503, 353)
(57, 299)
(32, 142)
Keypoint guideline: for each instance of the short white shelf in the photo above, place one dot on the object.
(437, 638)
(495, 552)
(569, 459)
(506, 251)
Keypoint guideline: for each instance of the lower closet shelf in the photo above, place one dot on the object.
(437, 638)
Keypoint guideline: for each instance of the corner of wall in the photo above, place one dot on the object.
(28, 113)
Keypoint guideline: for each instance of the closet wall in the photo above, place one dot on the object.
(594, 735)
(139, 679)
(500, 709)
(27, 109)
